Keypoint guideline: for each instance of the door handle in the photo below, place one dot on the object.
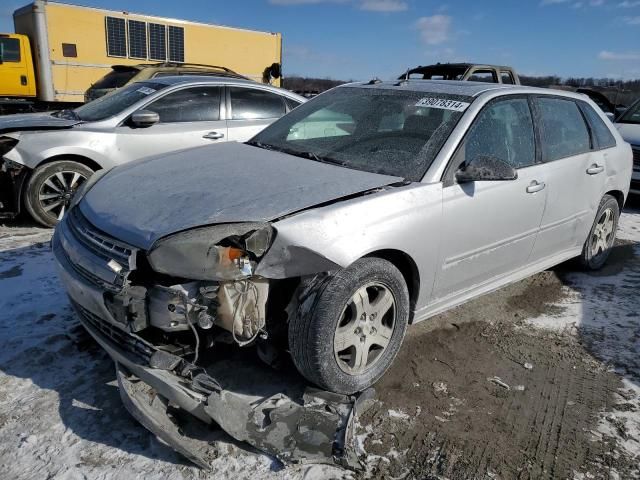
(213, 136)
(535, 186)
(595, 169)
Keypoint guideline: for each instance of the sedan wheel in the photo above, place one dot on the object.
(51, 188)
(365, 328)
(602, 236)
(349, 333)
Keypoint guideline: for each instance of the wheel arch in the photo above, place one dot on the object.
(86, 161)
(408, 268)
(619, 196)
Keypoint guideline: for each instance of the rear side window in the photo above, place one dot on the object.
(564, 132)
(10, 49)
(252, 104)
(507, 78)
(198, 104)
(602, 136)
(503, 130)
(115, 79)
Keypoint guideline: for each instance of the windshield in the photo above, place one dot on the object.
(632, 115)
(381, 131)
(116, 101)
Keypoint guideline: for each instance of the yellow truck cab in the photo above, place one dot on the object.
(59, 50)
(17, 78)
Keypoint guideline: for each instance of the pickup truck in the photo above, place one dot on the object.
(475, 72)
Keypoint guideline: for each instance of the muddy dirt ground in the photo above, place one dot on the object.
(538, 380)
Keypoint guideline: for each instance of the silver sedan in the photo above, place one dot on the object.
(371, 207)
(48, 156)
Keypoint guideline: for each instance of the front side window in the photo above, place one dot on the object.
(601, 133)
(502, 130)
(252, 104)
(375, 130)
(9, 49)
(116, 101)
(564, 132)
(198, 104)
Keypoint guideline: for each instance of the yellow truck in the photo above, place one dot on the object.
(59, 50)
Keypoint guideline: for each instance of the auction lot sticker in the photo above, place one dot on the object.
(443, 104)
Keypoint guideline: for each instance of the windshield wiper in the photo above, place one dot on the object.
(297, 153)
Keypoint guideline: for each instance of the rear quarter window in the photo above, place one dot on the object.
(603, 138)
(564, 132)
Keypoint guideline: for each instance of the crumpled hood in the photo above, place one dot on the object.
(630, 132)
(148, 199)
(33, 121)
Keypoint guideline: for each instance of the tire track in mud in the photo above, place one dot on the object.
(541, 432)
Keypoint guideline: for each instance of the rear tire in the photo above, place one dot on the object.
(50, 188)
(353, 331)
(602, 235)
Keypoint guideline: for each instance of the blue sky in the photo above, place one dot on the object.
(361, 39)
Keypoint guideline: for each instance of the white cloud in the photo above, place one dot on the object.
(553, 2)
(434, 30)
(631, 20)
(619, 56)
(384, 5)
(596, 3)
(629, 4)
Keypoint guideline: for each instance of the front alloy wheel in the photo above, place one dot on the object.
(353, 330)
(51, 188)
(365, 328)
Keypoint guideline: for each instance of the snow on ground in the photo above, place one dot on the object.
(60, 411)
(602, 310)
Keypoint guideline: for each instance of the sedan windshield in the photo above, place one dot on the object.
(632, 115)
(393, 132)
(116, 101)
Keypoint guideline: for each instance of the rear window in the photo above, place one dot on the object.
(115, 79)
(564, 132)
(602, 136)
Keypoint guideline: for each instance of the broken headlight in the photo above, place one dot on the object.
(220, 252)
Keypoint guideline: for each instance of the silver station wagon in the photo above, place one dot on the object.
(366, 209)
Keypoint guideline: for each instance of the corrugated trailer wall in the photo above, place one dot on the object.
(80, 55)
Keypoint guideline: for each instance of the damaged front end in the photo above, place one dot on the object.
(12, 179)
(174, 319)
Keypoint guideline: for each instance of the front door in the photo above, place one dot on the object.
(188, 118)
(490, 227)
(15, 71)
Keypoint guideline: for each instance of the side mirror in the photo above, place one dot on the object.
(486, 168)
(144, 118)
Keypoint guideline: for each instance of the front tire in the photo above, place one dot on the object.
(602, 235)
(354, 329)
(50, 188)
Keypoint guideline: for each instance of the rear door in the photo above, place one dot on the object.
(490, 227)
(250, 110)
(189, 117)
(14, 69)
(576, 176)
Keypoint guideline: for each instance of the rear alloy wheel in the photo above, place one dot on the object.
(602, 236)
(51, 188)
(352, 332)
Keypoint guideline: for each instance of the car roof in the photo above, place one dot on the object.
(456, 87)
(221, 79)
